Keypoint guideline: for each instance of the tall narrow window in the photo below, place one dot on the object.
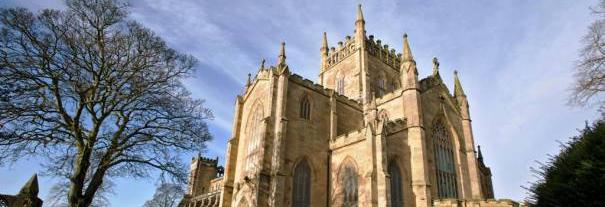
(396, 185)
(305, 108)
(444, 161)
(349, 186)
(301, 193)
(340, 84)
(254, 138)
(381, 84)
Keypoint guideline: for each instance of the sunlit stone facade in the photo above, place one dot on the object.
(368, 133)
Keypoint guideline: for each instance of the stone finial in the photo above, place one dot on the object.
(359, 13)
(457, 85)
(282, 67)
(435, 66)
(282, 54)
(324, 42)
(407, 52)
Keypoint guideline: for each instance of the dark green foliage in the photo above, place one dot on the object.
(575, 177)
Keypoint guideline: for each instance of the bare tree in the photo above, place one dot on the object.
(57, 197)
(96, 94)
(590, 71)
(166, 195)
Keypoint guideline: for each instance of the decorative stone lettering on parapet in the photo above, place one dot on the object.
(344, 50)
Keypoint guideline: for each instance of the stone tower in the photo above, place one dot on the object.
(370, 133)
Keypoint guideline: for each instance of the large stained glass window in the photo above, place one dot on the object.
(254, 138)
(444, 161)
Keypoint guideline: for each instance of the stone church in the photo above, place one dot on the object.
(368, 133)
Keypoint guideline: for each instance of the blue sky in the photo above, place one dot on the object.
(515, 60)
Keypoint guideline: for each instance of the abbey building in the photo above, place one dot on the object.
(368, 133)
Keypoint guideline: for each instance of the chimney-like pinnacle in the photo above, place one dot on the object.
(282, 54)
(407, 52)
(457, 85)
(324, 42)
(359, 13)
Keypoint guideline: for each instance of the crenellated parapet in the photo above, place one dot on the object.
(382, 52)
(344, 50)
(348, 138)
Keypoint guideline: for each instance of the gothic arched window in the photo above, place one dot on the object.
(396, 185)
(301, 193)
(349, 185)
(254, 137)
(444, 162)
(305, 108)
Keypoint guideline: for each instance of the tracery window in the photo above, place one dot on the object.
(255, 135)
(349, 186)
(396, 185)
(301, 193)
(305, 108)
(444, 161)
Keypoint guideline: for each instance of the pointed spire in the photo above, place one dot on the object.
(31, 187)
(457, 85)
(407, 52)
(479, 155)
(360, 30)
(282, 54)
(324, 42)
(435, 66)
(359, 13)
(282, 67)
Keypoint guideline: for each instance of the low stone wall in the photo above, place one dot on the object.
(475, 203)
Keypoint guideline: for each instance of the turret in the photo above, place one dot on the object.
(460, 97)
(282, 67)
(408, 70)
(411, 104)
(202, 171)
(360, 29)
(324, 52)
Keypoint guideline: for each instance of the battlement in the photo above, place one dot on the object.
(348, 138)
(205, 160)
(344, 50)
(382, 52)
